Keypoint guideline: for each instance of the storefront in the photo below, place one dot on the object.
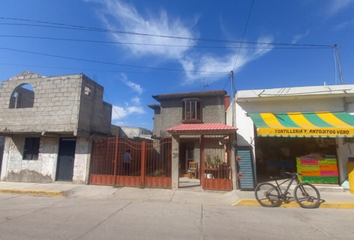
(308, 130)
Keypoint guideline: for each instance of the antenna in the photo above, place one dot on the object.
(94, 78)
(205, 85)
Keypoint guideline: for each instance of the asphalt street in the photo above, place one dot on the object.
(27, 217)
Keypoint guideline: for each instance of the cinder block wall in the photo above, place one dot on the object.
(60, 105)
(55, 109)
(94, 113)
(157, 122)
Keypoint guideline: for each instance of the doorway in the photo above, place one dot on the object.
(186, 156)
(188, 178)
(66, 157)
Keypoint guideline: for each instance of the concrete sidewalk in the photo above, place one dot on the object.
(332, 198)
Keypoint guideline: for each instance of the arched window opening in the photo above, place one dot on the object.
(22, 97)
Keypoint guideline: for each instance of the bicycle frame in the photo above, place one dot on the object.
(283, 195)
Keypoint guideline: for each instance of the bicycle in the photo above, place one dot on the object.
(269, 195)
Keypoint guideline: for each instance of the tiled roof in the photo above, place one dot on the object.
(199, 127)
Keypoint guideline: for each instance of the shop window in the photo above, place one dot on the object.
(22, 97)
(31, 149)
(191, 110)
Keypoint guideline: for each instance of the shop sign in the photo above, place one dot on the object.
(306, 132)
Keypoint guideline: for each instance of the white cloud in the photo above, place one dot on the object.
(136, 101)
(296, 38)
(335, 6)
(344, 25)
(197, 65)
(119, 113)
(134, 86)
(119, 15)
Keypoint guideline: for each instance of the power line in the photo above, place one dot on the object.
(85, 28)
(268, 46)
(90, 69)
(227, 81)
(243, 35)
(104, 62)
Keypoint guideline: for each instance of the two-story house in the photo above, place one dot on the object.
(49, 124)
(196, 123)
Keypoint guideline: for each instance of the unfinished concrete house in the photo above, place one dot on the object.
(49, 124)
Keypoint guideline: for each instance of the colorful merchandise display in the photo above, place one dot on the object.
(317, 170)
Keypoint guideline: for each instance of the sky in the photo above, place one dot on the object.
(136, 49)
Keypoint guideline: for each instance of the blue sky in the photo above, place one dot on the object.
(138, 48)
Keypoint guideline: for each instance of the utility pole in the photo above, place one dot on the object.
(232, 84)
(339, 65)
(232, 98)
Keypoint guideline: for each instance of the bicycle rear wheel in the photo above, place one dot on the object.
(267, 195)
(307, 195)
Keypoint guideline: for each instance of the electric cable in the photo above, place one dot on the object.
(104, 62)
(85, 28)
(243, 35)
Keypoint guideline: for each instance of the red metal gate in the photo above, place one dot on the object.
(150, 164)
(216, 168)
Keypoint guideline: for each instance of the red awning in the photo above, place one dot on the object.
(202, 128)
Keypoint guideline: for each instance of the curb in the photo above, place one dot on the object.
(252, 202)
(35, 193)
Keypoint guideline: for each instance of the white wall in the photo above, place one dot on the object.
(18, 170)
(82, 160)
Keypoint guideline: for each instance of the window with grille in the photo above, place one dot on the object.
(31, 149)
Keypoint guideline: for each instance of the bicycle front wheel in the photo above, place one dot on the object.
(267, 195)
(307, 195)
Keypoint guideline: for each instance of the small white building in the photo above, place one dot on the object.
(303, 129)
(135, 132)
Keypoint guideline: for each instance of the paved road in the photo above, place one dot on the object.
(25, 217)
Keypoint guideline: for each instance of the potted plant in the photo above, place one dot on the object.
(217, 161)
(208, 162)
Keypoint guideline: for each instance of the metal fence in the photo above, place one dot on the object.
(216, 162)
(149, 164)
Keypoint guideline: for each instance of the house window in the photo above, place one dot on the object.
(31, 149)
(191, 110)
